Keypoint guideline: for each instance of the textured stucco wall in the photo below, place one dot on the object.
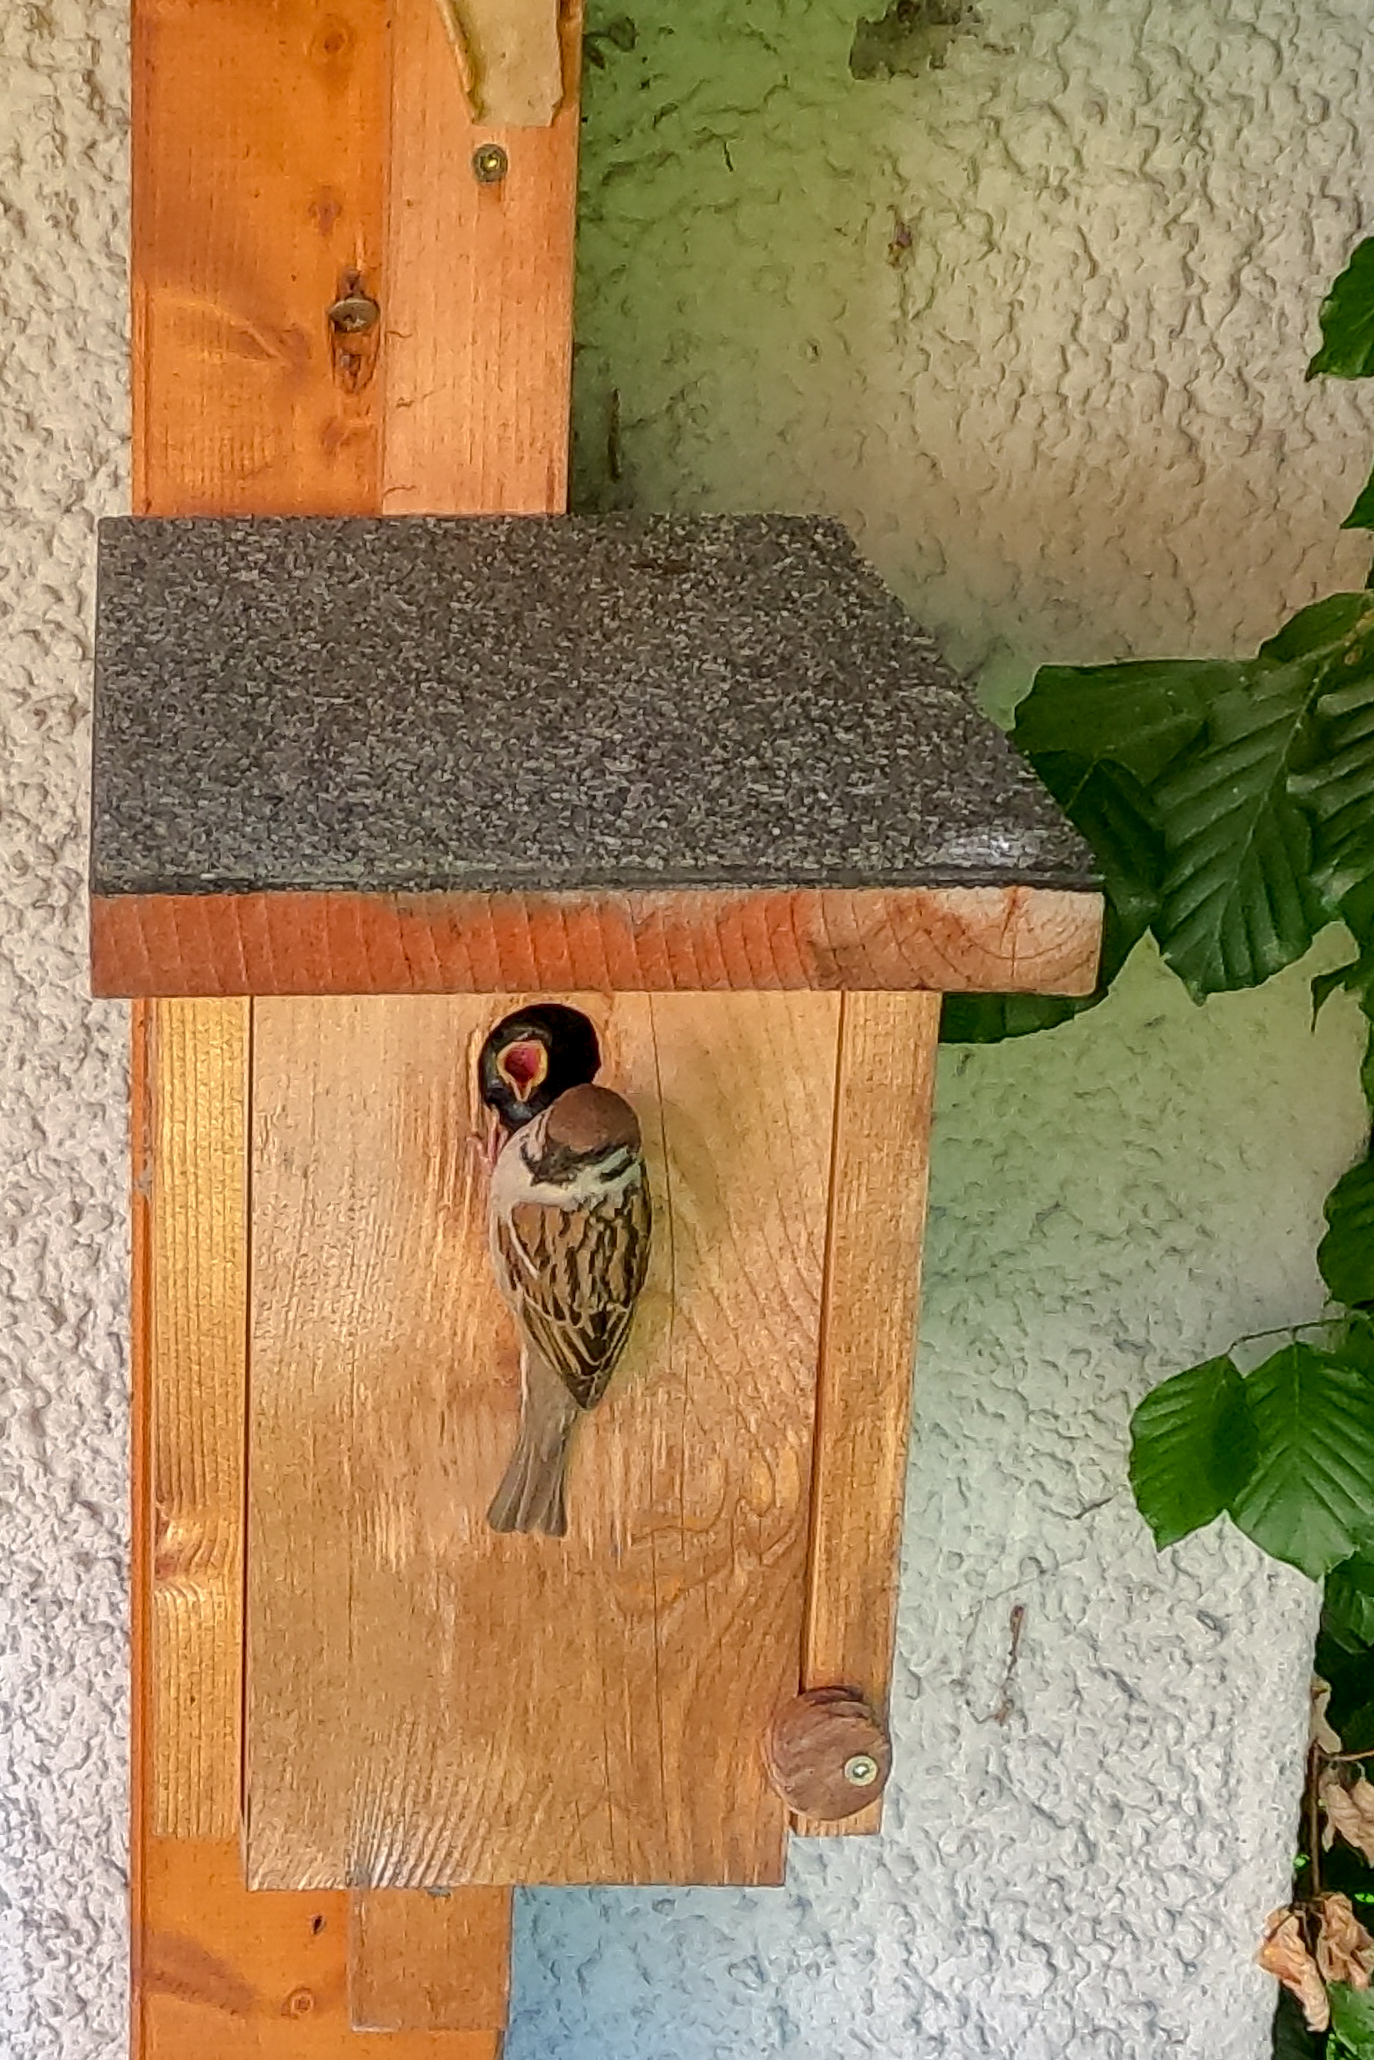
(63, 1233)
(1061, 420)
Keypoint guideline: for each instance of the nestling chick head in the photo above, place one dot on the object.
(532, 1057)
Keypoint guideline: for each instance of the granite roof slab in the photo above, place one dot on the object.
(416, 704)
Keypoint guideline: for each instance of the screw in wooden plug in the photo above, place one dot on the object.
(827, 1754)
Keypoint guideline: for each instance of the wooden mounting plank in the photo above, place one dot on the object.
(477, 395)
(429, 1701)
(478, 357)
(225, 1975)
(436, 1961)
(259, 168)
(989, 939)
(258, 191)
(886, 1078)
(197, 1371)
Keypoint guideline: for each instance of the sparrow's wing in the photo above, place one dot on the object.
(572, 1276)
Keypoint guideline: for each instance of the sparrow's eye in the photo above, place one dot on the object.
(523, 1066)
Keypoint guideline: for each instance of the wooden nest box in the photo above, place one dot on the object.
(361, 788)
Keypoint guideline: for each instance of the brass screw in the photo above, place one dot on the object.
(861, 1770)
(490, 164)
(354, 313)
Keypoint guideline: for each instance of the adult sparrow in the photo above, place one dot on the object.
(568, 1223)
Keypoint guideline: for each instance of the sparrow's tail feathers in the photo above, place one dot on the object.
(531, 1496)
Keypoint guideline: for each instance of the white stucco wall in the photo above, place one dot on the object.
(1069, 421)
(63, 1232)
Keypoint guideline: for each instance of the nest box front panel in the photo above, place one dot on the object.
(430, 1702)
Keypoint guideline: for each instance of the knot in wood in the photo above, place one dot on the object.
(827, 1754)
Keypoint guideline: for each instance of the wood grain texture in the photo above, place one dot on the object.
(215, 1970)
(258, 197)
(954, 939)
(476, 394)
(259, 166)
(225, 1975)
(420, 1962)
(430, 1702)
(197, 1370)
(478, 324)
(886, 1079)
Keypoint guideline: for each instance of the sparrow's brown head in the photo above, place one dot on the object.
(588, 1132)
(592, 1119)
(534, 1056)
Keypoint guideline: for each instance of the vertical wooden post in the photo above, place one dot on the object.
(262, 145)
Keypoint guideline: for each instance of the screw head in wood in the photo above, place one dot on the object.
(827, 1754)
(353, 313)
(489, 164)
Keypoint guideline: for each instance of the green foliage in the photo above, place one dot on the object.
(1347, 321)
(1310, 1497)
(1348, 1607)
(1288, 1451)
(1352, 2022)
(1347, 348)
(1192, 1449)
(1230, 805)
(1346, 1254)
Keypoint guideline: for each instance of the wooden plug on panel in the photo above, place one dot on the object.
(827, 1755)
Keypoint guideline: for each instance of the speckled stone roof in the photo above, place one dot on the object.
(422, 703)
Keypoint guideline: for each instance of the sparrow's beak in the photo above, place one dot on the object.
(523, 1066)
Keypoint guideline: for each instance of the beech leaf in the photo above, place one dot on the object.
(1352, 2019)
(1348, 1603)
(1349, 1811)
(1347, 320)
(1319, 1731)
(1285, 1955)
(1345, 1951)
(1346, 1254)
(1309, 1496)
(1192, 1449)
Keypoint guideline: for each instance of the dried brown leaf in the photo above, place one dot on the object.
(1285, 1954)
(1345, 1951)
(1319, 1731)
(1348, 1810)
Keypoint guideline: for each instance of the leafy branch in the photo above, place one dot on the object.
(1230, 804)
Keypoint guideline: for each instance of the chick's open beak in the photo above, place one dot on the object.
(523, 1066)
